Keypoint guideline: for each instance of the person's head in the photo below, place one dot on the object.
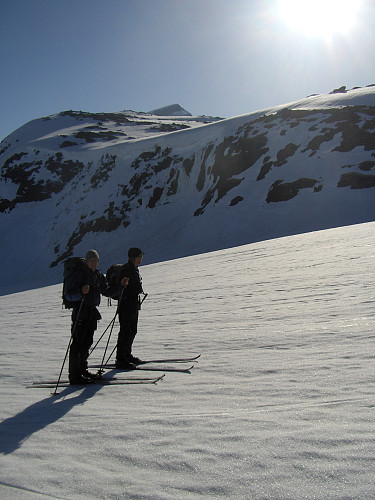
(135, 256)
(92, 259)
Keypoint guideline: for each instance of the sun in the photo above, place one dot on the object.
(320, 18)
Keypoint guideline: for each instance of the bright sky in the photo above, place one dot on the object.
(214, 57)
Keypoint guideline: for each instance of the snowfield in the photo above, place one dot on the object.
(280, 404)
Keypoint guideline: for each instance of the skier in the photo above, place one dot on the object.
(128, 310)
(85, 287)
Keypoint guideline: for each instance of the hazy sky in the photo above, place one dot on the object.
(214, 57)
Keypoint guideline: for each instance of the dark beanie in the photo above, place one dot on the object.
(134, 252)
(92, 254)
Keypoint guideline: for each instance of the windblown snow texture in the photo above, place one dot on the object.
(280, 405)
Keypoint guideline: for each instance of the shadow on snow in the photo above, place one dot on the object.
(15, 430)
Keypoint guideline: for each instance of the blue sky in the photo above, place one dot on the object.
(214, 57)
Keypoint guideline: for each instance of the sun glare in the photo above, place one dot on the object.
(321, 18)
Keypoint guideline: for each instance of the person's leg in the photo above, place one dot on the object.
(75, 353)
(125, 338)
(86, 343)
(130, 339)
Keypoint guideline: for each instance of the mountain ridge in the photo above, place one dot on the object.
(181, 186)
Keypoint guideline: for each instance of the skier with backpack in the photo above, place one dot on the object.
(83, 285)
(128, 307)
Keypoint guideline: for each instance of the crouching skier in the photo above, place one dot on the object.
(86, 285)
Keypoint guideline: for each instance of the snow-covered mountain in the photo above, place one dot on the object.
(181, 185)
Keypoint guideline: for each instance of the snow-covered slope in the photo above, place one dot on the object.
(78, 180)
(280, 404)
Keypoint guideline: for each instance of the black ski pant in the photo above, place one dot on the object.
(128, 319)
(82, 340)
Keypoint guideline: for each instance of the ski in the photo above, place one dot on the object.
(66, 381)
(149, 361)
(100, 381)
(151, 369)
(165, 369)
(171, 360)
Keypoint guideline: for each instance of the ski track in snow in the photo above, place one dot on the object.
(280, 404)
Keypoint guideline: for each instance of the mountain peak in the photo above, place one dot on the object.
(170, 110)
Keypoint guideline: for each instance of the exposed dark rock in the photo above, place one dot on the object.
(367, 165)
(137, 181)
(6, 205)
(163, 164)
(353, 136)
(30, 189)
(65, 170)
(107, 164)
(101, 224)
(147, 156)
(188, 164)
(202, 172)
(236, 200)
(356, 180)
(317, 141)
(341, 90)
(68, 144)
(100, 117)
(158, 191)
(285, 191)
(173, 182)
(266, 167)
(14, 158)
(232, 157)
(169, 127)
(285, 153)
(90, 136)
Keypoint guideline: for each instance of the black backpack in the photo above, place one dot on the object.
(113, 277)
(71, 266)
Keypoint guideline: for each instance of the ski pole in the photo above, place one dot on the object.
(110, 356)
(70, 342)
(112, 321)
(100, 371)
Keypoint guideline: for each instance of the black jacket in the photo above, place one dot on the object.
(130, 297)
